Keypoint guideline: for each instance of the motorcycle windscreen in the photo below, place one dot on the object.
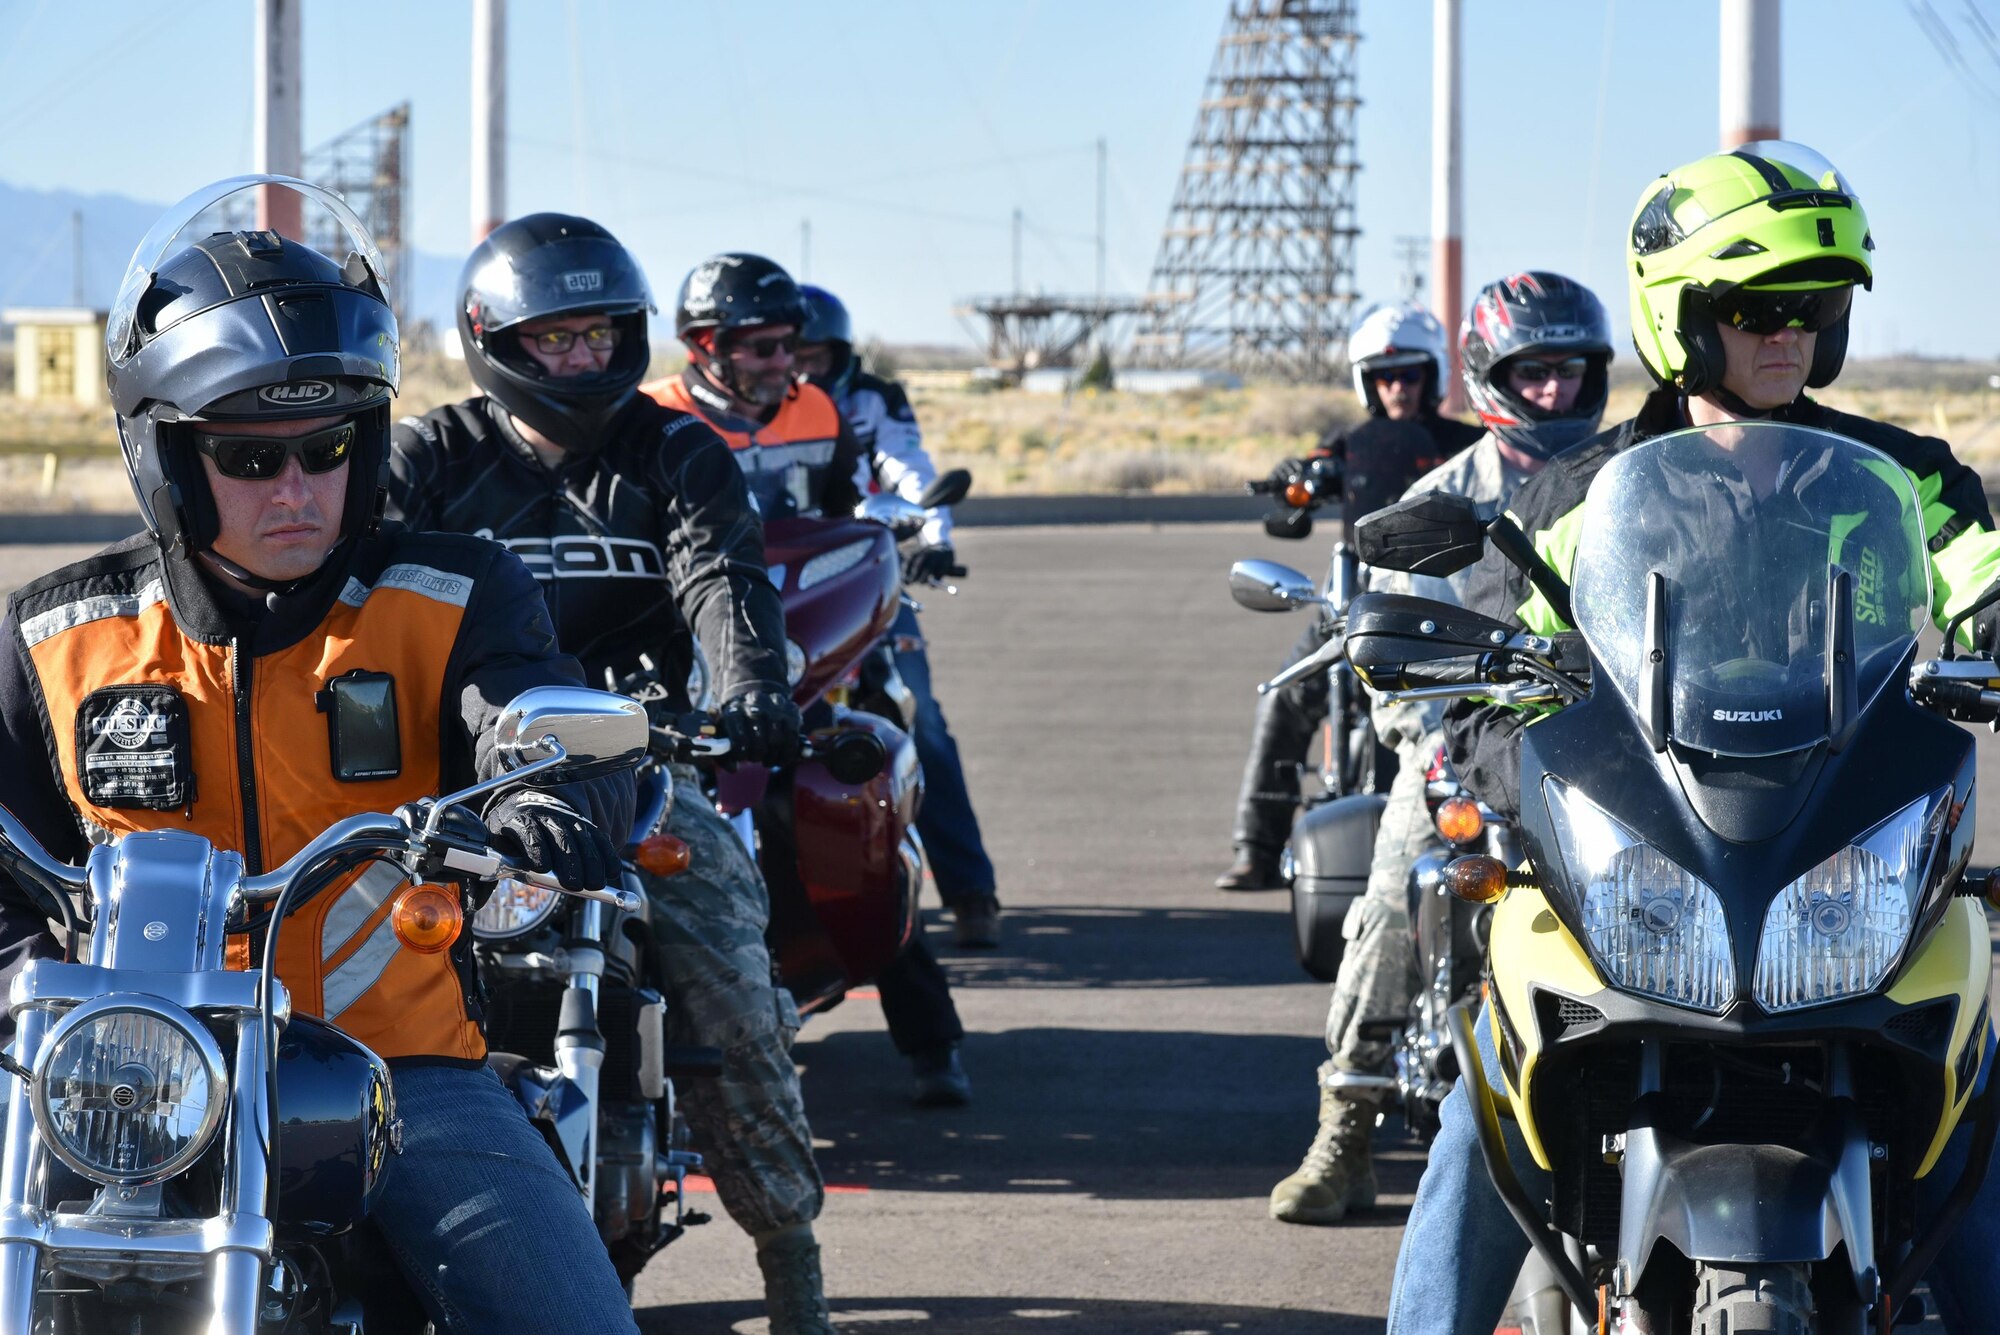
(1748, 525)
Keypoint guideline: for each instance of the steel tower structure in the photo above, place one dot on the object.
(1255, 270)
(369, 167)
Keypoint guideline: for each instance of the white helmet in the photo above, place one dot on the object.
(1396, 334)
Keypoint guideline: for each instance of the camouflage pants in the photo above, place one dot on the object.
(750, 1122)
(1378, 975)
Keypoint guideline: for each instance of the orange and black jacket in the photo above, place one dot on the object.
(805, 460)
(136, 696)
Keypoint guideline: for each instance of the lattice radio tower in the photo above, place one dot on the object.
(369, 167)
(1255, 270)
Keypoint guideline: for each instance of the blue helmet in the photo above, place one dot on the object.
(827, 322)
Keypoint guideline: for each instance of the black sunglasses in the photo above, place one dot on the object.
(1762, 311)
(765, 348)
(1540, 372)
(260, 458)
(1398, 375)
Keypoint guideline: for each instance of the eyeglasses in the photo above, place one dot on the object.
(1540, 372)
(1762, 311)
(555, 342)
(1398, 375)
(763, 349)
(260, 458)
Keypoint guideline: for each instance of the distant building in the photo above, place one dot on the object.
(58, 354)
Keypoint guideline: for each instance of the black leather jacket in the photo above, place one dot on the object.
(636, 543)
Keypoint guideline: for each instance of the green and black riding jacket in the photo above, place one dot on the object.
(1484, 739)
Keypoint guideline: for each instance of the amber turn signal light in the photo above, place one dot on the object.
(1476, 879)
(1298, 495)
(1459, 821)
(427, 919)
(662, 855)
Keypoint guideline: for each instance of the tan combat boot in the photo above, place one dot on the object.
(1338, 1174)
(794, 1294)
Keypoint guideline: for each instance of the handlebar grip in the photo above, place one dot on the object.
(1262, 486)
(957, 572)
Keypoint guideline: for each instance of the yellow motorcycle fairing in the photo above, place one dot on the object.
(1531, 946)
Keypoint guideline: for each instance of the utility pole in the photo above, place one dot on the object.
(489, 116)
(76, 258)
(805, 250)
(1750, 71)
(1100, 217)
(1447, 178)
(1017, 252)
(1410, 253)
(276, 136)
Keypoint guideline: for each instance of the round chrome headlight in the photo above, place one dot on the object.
(129, 1090)
(515, 908)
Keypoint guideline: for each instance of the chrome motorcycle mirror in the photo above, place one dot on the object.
(594, 733)
(1266, 586)
(893, 513)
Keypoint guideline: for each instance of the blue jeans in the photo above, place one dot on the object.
(482, 1219)
(1462, 1250)
(945, 821)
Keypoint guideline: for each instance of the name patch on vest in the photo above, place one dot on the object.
(133, 749)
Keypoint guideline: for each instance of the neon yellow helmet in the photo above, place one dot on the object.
(1772, 216)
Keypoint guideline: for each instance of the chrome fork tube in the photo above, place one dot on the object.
(19, 1260)
(580, 1056)
(237, 1280)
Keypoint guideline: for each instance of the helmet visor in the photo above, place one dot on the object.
(1807, 161)
(295, 209)
(1763, 311)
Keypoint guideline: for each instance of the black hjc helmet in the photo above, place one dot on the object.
(1535, 315)
(550, 264)
(219, 322)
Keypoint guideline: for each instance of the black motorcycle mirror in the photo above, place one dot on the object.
(948, 488)
(1289, 524)
(1266, 586)
(599, 733)
(851, 755)
(1431, 534)
(1438, 534)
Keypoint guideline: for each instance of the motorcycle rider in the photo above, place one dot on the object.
(739, 316)
(254, 445)
(640, 530)
(1399, 358)
(1742, 273)
(1536, 348)
(879, 413)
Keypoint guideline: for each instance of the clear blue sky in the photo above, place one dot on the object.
(908, 131)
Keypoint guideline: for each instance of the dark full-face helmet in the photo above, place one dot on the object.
(827, 322)
(220, 318)
(533, 268)
(1535, 317)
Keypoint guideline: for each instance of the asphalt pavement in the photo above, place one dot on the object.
(1142, 1047)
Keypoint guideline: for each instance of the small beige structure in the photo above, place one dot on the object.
(58, 354)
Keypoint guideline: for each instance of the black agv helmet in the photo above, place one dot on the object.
(1535, 315)
(553, 264)
(218, 319)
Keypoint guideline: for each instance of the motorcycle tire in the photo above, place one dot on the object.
(1773, 1299)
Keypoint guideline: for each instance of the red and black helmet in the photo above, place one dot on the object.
(1535, 315)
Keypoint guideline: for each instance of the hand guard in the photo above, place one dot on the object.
(929, 563)
(762, 727)
(549, 835)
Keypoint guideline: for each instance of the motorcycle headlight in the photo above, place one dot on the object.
(515, 908)
(795, 663)
(1652, 926)
(1837, 930)
(129, 1091)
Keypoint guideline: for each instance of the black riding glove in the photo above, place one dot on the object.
(1287, 472)
(549, 835)
(928, 563)
(762, 727)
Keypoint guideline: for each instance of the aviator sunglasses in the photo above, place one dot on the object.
(1762, 311)
(259, 458)
(1398, 375)
(765, 348)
